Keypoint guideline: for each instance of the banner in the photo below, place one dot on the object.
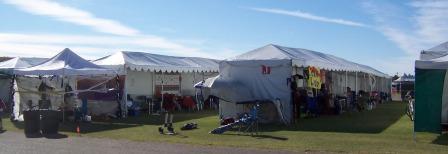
(314, 78)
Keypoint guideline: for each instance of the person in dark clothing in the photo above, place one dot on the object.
(297, 104)
(2, 109)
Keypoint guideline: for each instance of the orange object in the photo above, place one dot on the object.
(78, 130)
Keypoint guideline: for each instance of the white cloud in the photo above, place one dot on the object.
(72, 15)
(412, 33)
(92, 46)
(427, 25)
(309, 16)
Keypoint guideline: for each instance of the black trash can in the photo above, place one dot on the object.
(32, 122)
(50, 121)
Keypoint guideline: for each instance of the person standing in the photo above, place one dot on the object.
(2, 109)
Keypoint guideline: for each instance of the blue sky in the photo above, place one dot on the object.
(387, 35)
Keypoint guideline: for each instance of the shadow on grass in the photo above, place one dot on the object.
(114, 124)
(259, 136)
(84, 127)
(370, 122)
(441, 140)
(146, 119)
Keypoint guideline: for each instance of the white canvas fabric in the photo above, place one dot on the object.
(244, 80)
(304, 58)
(19, 62)
(437, 63)
(65, 63)
(141, 61)
(438, 51)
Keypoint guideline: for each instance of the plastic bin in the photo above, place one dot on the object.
(50, 121)
(32, 122)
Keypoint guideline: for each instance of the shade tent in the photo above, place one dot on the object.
(149, 74)
(59, 72)
(6, 70)
(19, 62)
(431, 89)
(303, 58)
(154, 62)
(438, 51)
(65, 63)
(266, 72)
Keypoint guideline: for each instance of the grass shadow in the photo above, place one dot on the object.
(114, 124)
(146, 119)
(258, 136)
(370, 122)
(441, 140)
(84, 127)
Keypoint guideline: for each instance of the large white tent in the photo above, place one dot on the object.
(65, 68)
(283, 62)
(6, 70)
(65, 63)
(18, 63)
(148, 74)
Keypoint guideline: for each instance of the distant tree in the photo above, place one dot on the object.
(395, 77)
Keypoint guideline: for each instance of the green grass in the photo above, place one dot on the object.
(383, 130)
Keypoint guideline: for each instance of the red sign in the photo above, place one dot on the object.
(265, 69)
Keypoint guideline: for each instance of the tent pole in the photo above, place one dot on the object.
(161, 91)
(11, 96)
(346, 83)
(63, 102)
(356, 82)
(124, 97)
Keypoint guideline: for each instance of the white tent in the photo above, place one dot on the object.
(283, 62)
(7, 68)
(146, 73)
(65, 63)
(19, 62)
(438, 51)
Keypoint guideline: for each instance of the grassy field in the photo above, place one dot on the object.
(383, 130)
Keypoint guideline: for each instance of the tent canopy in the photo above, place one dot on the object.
(19, 62)
(438, 51)
(304, 58)
(154, 62)
(65, 63)
(434, 58)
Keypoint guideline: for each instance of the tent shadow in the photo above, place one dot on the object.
(55, 136)
(367, 122)
(183, 116)
(113, 124)
(93, 127)
(441, 140)
(259, 136)
(84, 127)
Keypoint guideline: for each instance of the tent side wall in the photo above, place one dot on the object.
(428, 99)
(259, 83)
(139, 82)
(5, 90)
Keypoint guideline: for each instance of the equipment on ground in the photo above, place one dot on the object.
(248, 122)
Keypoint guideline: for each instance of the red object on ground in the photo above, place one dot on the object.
(78, 130)
(188, 102)
(228, 120)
